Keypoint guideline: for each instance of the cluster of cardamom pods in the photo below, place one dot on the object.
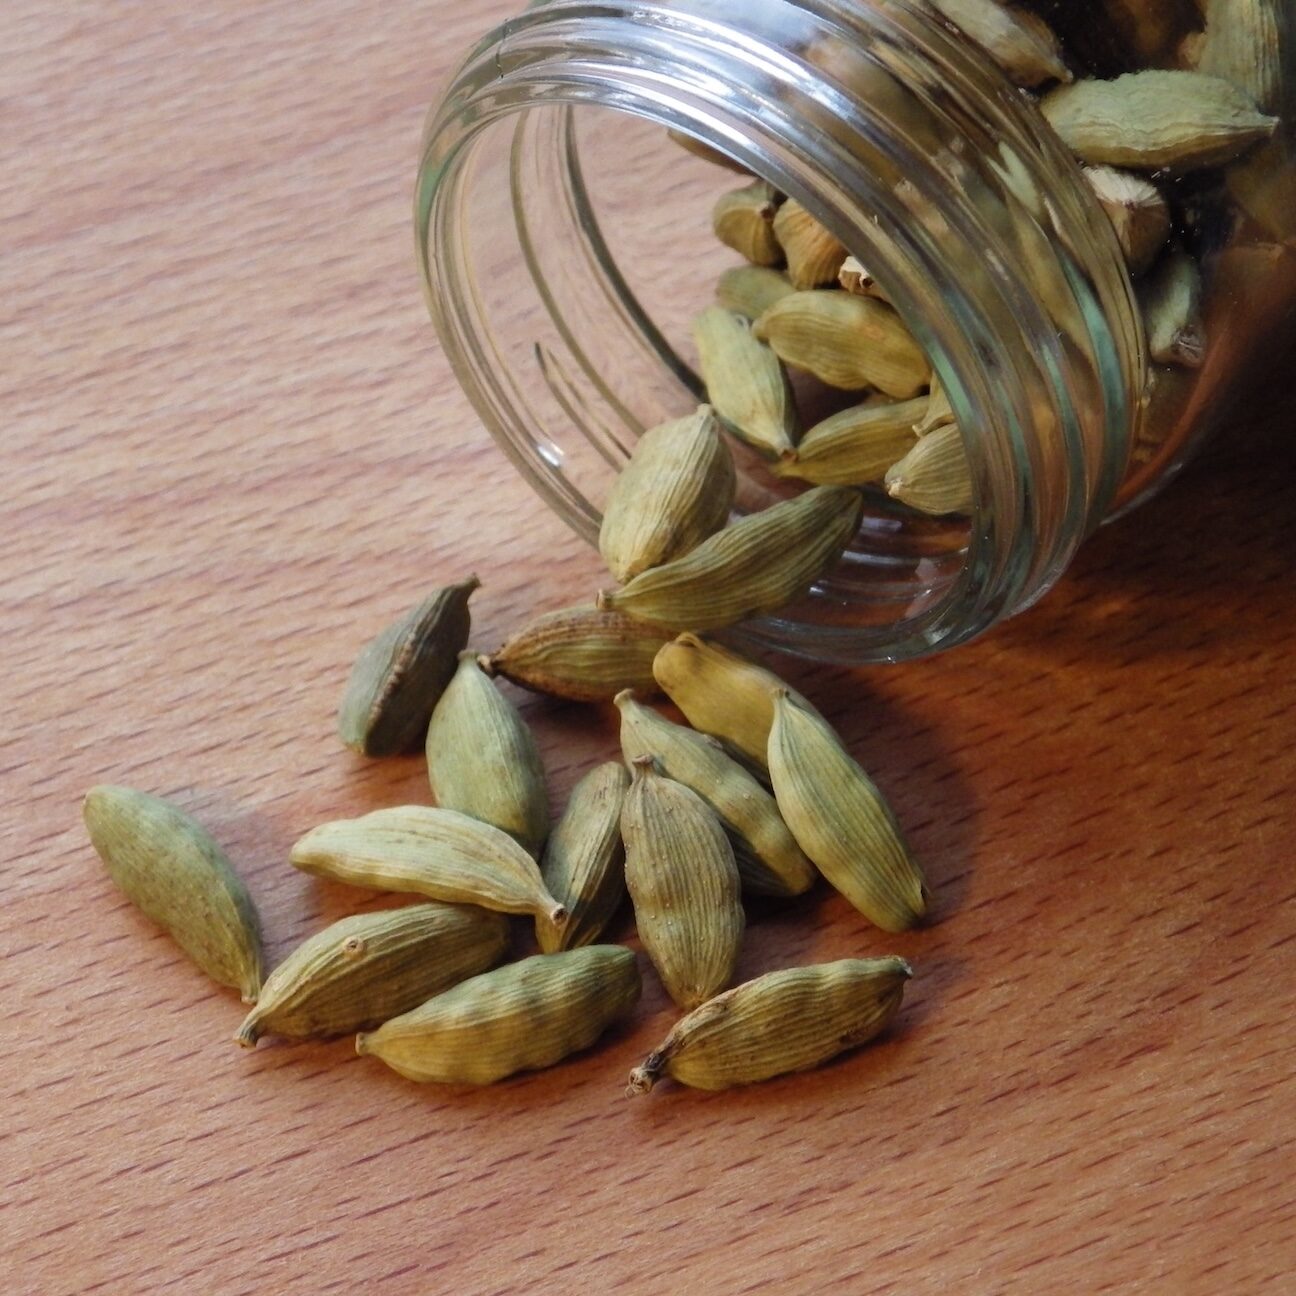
(1195, 118)
(755, 795)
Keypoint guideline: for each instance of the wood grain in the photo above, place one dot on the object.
(232, 450)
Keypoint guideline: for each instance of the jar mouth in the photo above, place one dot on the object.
(937, 176)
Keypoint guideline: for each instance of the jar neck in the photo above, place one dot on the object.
(939, 176)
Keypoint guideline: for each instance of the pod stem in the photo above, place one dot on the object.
(247, 1035)
(644, 1077)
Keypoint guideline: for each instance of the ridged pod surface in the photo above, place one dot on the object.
(169, 867)
(584, 860)
(745, 383)
(676, 490)
(399, 675)
(934, 477)
(1148, 120)
(520, 1017)
(790, 1020)
(684, 885)
(768, 858)
(580, 653)
(361, 970)
(846, 341)
(437, 853)
(854, 446)
(841, 820)
(758, 564)
(722, 693)
(483, 760)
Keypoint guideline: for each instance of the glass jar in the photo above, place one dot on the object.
(566, 245)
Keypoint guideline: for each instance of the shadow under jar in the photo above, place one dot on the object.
(566, 246)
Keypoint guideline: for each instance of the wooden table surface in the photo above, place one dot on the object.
(233, 449)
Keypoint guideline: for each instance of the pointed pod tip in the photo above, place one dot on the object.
(604, 600)
(626, 695)
(487, 664)
(247, 1035)
(362, 1043)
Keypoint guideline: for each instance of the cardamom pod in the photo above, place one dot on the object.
(845, 341)
(1019, 41)
(676, 490)
(814, 254)
(580, 653)
(1171, 300)
(520, 1017)
(483, 760)
(840, 819)
(1153, 119)
(360, 971)
(790, 1020)
(169, 867)
(684, 885)
(722, 694)
(934, 477)
(1242, 44)
(768, 858)
(854, 278)
(743, 219)
(706, 152)
(745, 382)
(750, 290)
(938, 413)
(584, 861)
(1137, 210)
(758, 564)
(854, 446)
(441, 854)
(400, 674)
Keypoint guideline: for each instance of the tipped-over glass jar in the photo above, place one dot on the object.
(1088, 326)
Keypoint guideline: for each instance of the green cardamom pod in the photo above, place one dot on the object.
(520, 1017)
(743, 219)
(758, 564)
(676, 490)
(934, 477)
(854, 446)
(814, 254)
(841, 820)
(750, 290)
(362, 970)
(846, 341)
(437, 853)
(1021, 42)
(790, 1020)
(584, 860)
(1157, 119)
(169, 867)
(684, 885)
(398, 676)
(745, 382)
(581, 654)
(768, 858)
(483, 760)
(722, 694)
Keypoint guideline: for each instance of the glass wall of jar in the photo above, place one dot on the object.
(1093, 255)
